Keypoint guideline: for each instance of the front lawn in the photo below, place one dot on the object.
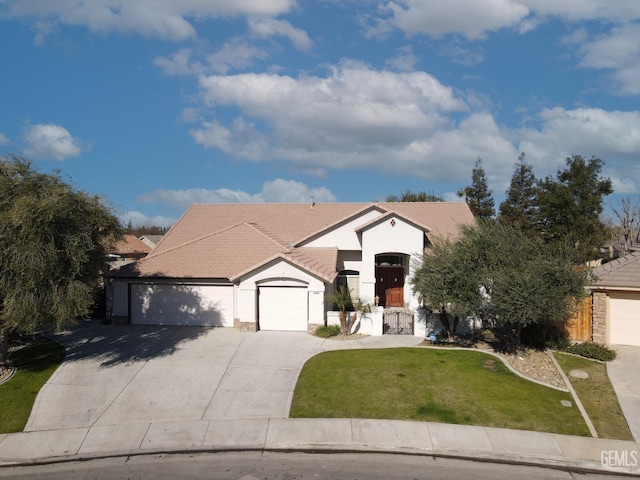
(449, 386)
(34, 363)
(597, 396)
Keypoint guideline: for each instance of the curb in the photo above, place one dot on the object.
(498, 459)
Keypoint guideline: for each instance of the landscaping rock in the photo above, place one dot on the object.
(578, 374)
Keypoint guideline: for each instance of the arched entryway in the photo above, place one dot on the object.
(391, 269)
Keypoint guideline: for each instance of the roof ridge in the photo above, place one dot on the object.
(268, 235)
(202, 237)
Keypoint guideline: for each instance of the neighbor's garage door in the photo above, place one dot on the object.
(283, 308)
(624, 318)
(192, 305)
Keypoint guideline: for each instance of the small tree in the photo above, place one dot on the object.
(524, 281)
(478, 195)
(343, 301)
(52, 253)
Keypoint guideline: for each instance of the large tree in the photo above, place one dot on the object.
(496, 268)
(520, 207)
(52, 249)
(409, 196)
(477, 195)
(570, 205)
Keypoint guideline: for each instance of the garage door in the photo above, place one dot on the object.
(192, 305)
(624, 319)
(283, 308)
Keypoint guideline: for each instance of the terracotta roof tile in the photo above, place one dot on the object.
(129, 244)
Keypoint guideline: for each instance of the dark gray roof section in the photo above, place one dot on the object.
(623, 272)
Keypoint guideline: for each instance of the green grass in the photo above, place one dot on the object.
(597, 396)
(450, 386)
(34, 364)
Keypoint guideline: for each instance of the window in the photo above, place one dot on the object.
(351, 280)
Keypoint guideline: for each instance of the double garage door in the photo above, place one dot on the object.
(189, 305)
(624, 318)
(283, 308)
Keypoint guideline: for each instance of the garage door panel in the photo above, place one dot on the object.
(624, 319)
(283, 308)
(189, 305)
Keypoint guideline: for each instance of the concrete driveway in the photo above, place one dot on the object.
(624, 373)
(117, 375)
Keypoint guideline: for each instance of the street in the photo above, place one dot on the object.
(285, 466)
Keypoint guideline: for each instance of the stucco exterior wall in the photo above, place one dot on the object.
(392, 235)
(278, 273)
(344, 236)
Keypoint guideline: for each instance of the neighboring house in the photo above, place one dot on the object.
(151, 240)
(616, 301)
(270, 266)
(127, 250)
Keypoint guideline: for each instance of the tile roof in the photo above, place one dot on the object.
(229, 240)
(623, 272)
(130, 244)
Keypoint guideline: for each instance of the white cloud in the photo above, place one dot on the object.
(179, 63)
(591, 131)
(166, 19)
(473, 19)
(618, 51)
(235, 54)
(139, 219)
(405, 60)
(3, 139)
(275, 191)
(576, 10)
(470, 18)
(48, 141)
(268, 27)
(353, 118)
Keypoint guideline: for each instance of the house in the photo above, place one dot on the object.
(151, 240)
(616, 301)
(271, 266)
(127, 250)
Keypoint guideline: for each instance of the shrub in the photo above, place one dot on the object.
(326, 331)
(592, 350)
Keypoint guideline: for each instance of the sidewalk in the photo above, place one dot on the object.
(324, 435)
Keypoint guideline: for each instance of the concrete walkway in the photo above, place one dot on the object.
(624, 373)
(141, 390)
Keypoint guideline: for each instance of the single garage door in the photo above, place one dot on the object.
(190, 305)
(283, 308)
(624, 318)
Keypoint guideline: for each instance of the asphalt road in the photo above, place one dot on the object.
(286, 466)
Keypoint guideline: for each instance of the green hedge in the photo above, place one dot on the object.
(326, 331)
(592, 350)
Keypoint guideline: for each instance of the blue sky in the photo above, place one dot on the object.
(157, 104)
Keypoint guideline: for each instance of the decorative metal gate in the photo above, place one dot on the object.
(397, 322)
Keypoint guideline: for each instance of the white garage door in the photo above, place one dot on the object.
(192, 305)
(624, 319)
(283, 308)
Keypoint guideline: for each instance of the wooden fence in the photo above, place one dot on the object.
(579, 326)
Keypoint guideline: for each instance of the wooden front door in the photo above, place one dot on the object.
(390, 286)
